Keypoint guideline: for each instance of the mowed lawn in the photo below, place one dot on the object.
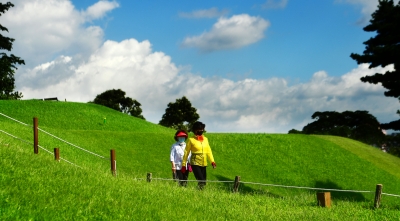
(34, 185)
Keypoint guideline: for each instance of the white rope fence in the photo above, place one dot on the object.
(56, 137)
(27, 142)
(73, 144)
(16, 137)
(275, 185)
(310, 188)
(388, 194)
(60, 157)
(206, 181)
(264, 184)
(14, 119)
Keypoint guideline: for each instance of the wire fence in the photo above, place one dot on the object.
(206, 181)
(275, 185)
(309, 188)
(71, 144)
(15, 120)
(95, 154)
(388, 194)
(27, 142)
(16, 137)
(167, 179)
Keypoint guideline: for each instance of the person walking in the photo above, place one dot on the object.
(200, 150)
(176, 156)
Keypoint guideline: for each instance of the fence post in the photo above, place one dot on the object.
(324, 199)
(57, 154)
(149, 177)
(113, 162)
(236, 184)
(378, 194)
(35, 136)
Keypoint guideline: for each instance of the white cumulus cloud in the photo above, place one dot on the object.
(230, 33)
(99, 9)
(268, 105)
(129, 65)
(46, 29)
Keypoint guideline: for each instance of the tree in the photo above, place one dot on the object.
(8, 63)
(358, 125)
(395, 125)
(383, 50)
(132, 107)
(116, 100)
(294, 131)
(180, 115)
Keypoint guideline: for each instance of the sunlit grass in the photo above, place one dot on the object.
(37, 187)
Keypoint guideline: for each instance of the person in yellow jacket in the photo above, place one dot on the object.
(199, 147)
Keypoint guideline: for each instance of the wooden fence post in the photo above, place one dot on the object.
(378, 194)
(113, 163)
(35, 136)
(324, 199)
(149, 177)
(57, 154)
(236, 184)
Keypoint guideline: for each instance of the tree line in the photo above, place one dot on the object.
(178, 115)
(357, 125)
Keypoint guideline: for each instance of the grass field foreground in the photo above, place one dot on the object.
(39, 188)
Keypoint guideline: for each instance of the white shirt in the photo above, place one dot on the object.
(177, 151)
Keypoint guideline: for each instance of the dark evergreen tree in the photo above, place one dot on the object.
(180, 115)
(116, 100)
(383, 50)
(8, 63)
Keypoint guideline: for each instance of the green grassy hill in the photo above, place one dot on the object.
(141, 147)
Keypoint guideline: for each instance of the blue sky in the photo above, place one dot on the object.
(302, 37)
(247, 66)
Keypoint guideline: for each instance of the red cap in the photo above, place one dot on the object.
(181, 134)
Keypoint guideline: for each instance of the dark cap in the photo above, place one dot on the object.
(198, 125)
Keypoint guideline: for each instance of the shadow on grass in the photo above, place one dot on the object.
(244, 188)
(336, 195)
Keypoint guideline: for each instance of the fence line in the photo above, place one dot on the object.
(56, 137)
(72, 144)
(60, 157)
(14, 119)
(15, 137)
(276, 185)
(38, 146)
(208, 181)
(310, 188)
(388, 194)
(264, 184)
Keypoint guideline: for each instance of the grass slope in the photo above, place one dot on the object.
(141, 147)
(35, 187)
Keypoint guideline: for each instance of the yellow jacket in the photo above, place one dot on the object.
(200, 151)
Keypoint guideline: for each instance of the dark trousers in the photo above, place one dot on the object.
(201, 174)
(181, 176)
